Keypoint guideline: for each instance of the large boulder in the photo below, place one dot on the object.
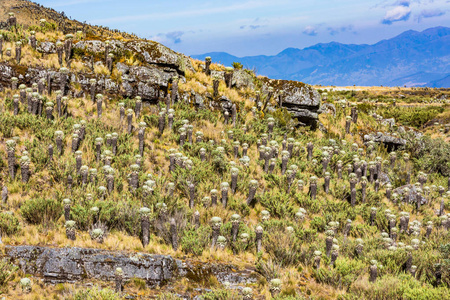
(242, 79)
(151, 75)
(46, 48)
(391, 142)
(150, 52)
(300, 99)
(154, 53)
(414, 196)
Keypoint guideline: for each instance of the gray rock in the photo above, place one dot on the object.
(242, 79)
(390, 141)
(46, 48)
(199, 100)
(384, 178)
(300, 99)
(148, 91)
(151, 75)
(412, 194)
(127, 89)
(73, 264)
(97, 46)
(123, 68)
(154, 53)
(226, 104)
(300, 95)
(57, 265)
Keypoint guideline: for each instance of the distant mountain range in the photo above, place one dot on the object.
(412, 58)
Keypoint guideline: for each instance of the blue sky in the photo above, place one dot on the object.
(254, 27)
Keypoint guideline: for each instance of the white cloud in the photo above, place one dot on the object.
(398, 13)
(310, 30)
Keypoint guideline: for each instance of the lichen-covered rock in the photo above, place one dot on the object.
(152, 75)
(300, 99)
(72, 264)
(226, 104)
(46, 48)
(154, 53)
(146, 82)
(57, 265)
(242, 79)
(391, 142)
(97, 46)
(412, 195)
(122, 68)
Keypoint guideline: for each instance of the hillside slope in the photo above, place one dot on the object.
(130, 171)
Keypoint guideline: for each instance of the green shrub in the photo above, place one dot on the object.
(284, 248)
(41, 211)
(9, 224)
(279, 205)
(121, 215)
(344, 273)
(221, 294)
(401, 287)
(237, 65)
(7, 273)
(194, 241)
(411, 116)
(96, 293)
(318, 223)
(430, 155)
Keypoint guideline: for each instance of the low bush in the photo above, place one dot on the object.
(221, 294)
(411, 116)
(96, 293)
(195, 240)
(7, 273)
(9, 224)
(41, 211)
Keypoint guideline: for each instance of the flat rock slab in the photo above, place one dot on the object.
(72, 264)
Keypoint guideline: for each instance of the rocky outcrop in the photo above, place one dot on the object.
(73, 264)
(412, 195)
(46, 47)
(57, 265)
(300, 99)
(242, 79)
(391, 142)
(149, 52)
(149, 82)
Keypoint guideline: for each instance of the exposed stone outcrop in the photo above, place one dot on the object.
(148, 82)
(242, 79)
(412, 195)
(73, 264)
(46, 47)
(149, 52)
(300, 99)
(391, 142)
